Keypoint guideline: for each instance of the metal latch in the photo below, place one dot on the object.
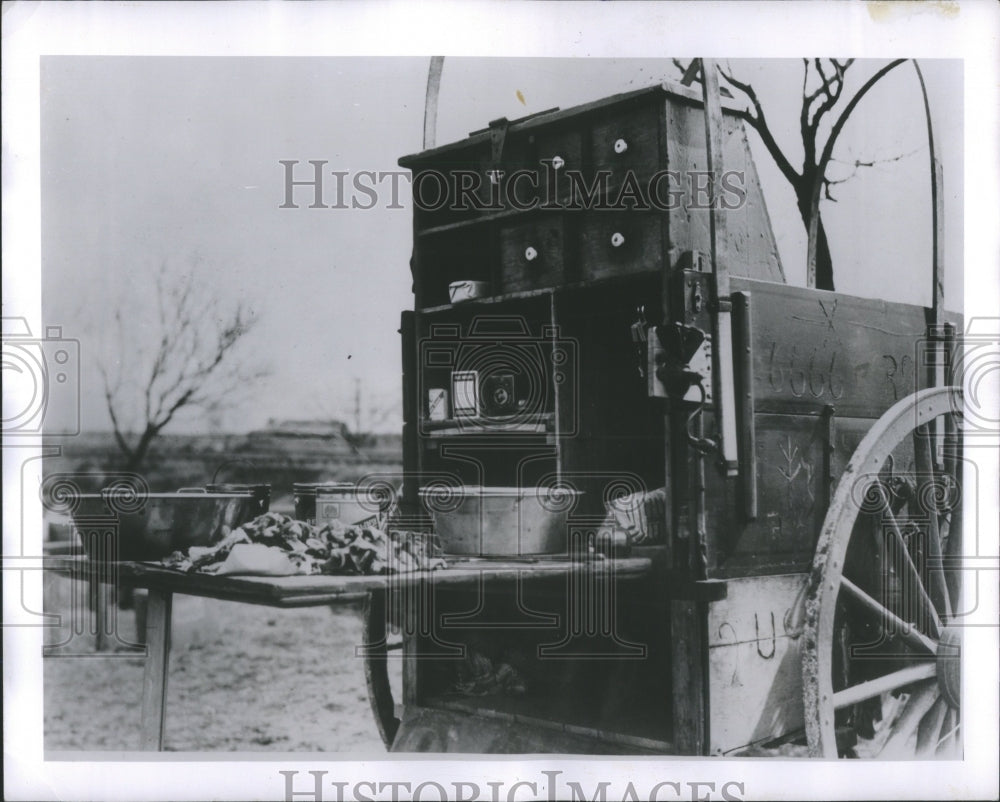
(498, 137)
(638, 331)
(680, 363)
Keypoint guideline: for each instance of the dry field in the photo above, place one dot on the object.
(242, 678)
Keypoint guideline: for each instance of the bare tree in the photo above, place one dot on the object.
(821, 119)
(183, 358)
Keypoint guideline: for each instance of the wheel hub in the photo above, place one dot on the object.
(949, 665)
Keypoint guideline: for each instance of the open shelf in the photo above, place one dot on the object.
(525, 656)
(515, 424)
(483, 219)
(490, 299)
(591, 286)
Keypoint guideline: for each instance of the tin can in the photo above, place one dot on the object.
(304, 494)
(324, 502)
(343, 504)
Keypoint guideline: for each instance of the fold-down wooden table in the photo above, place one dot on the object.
(298, 591)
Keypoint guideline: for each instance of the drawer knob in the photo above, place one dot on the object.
(617, 240)
(620, 146)
(558, 162)
(530, 254)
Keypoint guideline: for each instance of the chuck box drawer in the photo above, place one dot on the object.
(532, 254)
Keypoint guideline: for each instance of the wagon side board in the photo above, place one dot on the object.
(820, 369)
(825, 366)
(754, 662)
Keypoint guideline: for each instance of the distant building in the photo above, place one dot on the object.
(304, 428)
(330, 438)
(283, 452)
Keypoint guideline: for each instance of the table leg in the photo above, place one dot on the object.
(98, 604)
(154, 679)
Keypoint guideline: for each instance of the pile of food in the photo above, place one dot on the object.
(277, 545)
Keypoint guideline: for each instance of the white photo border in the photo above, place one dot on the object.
(733, 30)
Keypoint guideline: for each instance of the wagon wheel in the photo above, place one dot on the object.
(379, 640)
(881, 648)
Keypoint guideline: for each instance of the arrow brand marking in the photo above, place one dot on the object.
(791, 459)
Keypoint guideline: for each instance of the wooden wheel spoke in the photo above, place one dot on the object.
(888, 682)
(908, 723)
(949, 731)
(912, 569)
(930, 729)
(925, 470)
(953, 554)
(908, 632)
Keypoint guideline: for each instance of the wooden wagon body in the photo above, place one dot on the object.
(605, 278)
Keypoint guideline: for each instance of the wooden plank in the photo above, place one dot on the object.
(673, 93)
(791, 492)
(743, 353)
(714, 164)
(324, 589)
(754, 700)
(812, 348)
(688, 676)
(483, 732)
(748, 246)
(755, 677)
(745, 614)
(154, 678)
(503, 710)
(414, 609)
(412, 406)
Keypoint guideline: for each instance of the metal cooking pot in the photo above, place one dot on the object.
(151, 526)
(501, 521)
(261, 494)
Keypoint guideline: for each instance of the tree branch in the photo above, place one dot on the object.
(115, 426)
(832, 87)
(759, 123)
(824, 160)
(856, 166)
(187, 366)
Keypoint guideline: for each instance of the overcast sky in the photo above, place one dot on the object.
(175, 160)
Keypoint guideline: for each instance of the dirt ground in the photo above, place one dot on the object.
(242, 678)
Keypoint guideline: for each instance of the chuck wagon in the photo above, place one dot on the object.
(688, 509)
(785, 461)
